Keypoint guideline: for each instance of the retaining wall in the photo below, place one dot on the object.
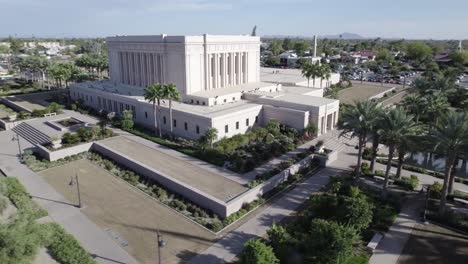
(53, 155)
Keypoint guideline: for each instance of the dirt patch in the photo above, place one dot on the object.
(360, 92)
(434, 244)
(128, 215)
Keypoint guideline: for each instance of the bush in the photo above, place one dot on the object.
(18, 195)
(216, 226)
(70, 139)
(179, 205)
(257, 252)
(84, 134)
(127, 124)
(435, 190)
(408, 183)
(66, 249)
(365, 169)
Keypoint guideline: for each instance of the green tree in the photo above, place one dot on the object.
(330, 242)
(272, 61)
(311, 71)
(374, 132)
(396, 128)
(256, 252)
(211, 135)
(385, 56)
(449, 137)
(280, 240)
(154, 93)
(357, 122)
(418, 51)
(127, 119)
(171, 93)
(300, 47)
(275, 47)
(324, 73)
(415, 105)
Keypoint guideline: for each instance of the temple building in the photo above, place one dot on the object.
(220, 80)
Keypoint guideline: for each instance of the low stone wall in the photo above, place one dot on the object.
(203, 199)
(380, 95)
(326, 160)
(53, 155)
(9, 125)
(14, 105)
(258, 191)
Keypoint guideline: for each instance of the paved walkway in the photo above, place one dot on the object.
(390, 248)
(227, 248)
(91, 237)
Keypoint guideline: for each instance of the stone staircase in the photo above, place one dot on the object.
(31, 134)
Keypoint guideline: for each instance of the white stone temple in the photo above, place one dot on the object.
(220, 80)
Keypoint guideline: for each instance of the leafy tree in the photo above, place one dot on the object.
(449, 137)
(275, 47)
(272, 61)
(330, 242)
(357, 122)
(127, 119)
(397, 128)
(418, 51)
(279, 240)
(287, 44)
(385, 56)
(85, 134)
(211, 134)
(171, 93)
(256, 252)
(154, 93)
(311, 129)
(459, 57)
(300, 47)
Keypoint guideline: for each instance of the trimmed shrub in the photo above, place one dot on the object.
(408, 183)
(257, 252)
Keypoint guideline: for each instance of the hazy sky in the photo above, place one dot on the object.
(436, 19)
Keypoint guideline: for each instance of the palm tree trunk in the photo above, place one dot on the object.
(391, 149)
(375, 146)
(308, 82)
(401, 156)
(159, 118)
(452, 179)
(154, 117)
(170, 116)
(361, 143)
(443, 195)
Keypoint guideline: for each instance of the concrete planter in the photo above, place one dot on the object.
(326, 159)
(11, 118)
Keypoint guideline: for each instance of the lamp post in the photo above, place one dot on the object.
(428, 190)
(161, 244)
(72, 183)
(17, 138)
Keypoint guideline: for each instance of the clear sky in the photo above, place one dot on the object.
(436, 19)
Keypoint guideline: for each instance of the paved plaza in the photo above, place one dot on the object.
(201, 179)
(360, 92)
(128, 215)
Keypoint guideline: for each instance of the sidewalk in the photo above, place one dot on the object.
(227, 248)
(91, 237)
(390, 248)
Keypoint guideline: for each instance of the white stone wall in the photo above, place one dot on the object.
(193, 63)
(290, 117)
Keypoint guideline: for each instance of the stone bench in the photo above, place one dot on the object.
(372, 245)
(460, 201)
(390, 181)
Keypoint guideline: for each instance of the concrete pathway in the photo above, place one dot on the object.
(227, 248)
(91, 237)
(390, 248)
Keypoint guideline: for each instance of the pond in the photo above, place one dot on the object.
(436, 163)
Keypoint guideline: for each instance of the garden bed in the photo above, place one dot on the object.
(24, 236)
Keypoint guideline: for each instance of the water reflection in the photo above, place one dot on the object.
(436, 163)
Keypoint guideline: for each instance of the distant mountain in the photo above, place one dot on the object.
(345, 35)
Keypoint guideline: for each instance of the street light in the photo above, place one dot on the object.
(428, 190)
(17, 138)
(72, 183)
(161, 244)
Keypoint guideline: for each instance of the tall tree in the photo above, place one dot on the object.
(325, 73)
(171, 93)
(311, 71)
(357, 122)
(396, 128)
(374, 134)
(450, 138)
(154, 94)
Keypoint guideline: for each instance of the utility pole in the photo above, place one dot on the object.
(161, 244)
(17, 138)
(72, 183)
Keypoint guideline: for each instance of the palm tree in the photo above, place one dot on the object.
(396, 129)
(171, 93)
(154, 94)
(311, 71)
(415, 105)
(375, 136)
(357, 122)
(325, 73)
(450, 137)
(435, 107)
